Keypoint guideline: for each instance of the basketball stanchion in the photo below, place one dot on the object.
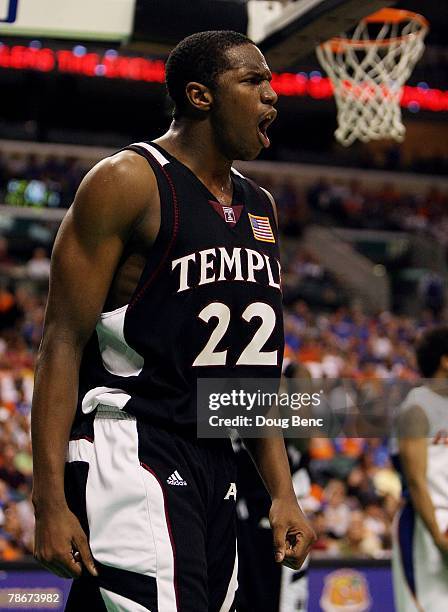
(368, 72)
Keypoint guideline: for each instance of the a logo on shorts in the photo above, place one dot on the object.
(176, 480)
(231, 492)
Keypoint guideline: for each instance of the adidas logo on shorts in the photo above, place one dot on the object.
(176, 480)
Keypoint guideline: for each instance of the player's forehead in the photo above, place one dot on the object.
(244, 58)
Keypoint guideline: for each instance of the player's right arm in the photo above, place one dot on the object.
(413, 452)
(110, 204)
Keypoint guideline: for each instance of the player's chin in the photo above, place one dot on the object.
(250, 153)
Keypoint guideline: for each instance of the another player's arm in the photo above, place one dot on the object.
(413, 450)
(292, 533)
(109, 204)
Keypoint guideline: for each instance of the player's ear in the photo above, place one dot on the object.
(199, 96)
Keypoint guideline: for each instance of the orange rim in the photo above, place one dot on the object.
(391, 15)
(386, 15)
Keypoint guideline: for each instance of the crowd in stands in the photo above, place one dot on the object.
(350, 344)
(21, 319)
(52, 181)
(356, 156)
(354, 496)
(352, 515)
(385, 208)
(49, 181)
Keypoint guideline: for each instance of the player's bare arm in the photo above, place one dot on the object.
(117, 200)
(413, 458)
(292, 533)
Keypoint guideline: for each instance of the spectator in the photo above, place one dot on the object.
(8, 471)
(359, 541)
(9, 312)
(6, 260)
(38, 267)
(336, 509)
(324, 542)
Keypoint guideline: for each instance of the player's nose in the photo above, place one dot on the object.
(268, 95)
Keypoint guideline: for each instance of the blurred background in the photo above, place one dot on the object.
(364, 228)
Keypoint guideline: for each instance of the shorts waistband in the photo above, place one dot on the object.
(109, 412)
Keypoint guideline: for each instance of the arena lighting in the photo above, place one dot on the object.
(113, 65)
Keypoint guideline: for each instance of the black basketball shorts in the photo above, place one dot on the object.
(159, 511)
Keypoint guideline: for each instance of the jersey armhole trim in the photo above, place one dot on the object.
(264, 196)
(157, 160)
(238, 173)
(161, 159)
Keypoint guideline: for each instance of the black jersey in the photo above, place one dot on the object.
(208, 303)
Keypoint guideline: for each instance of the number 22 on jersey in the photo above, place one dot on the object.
(252, 354)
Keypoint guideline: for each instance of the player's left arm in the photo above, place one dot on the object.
(413, 451)
(292, 533)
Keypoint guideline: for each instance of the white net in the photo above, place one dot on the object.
(368, 72)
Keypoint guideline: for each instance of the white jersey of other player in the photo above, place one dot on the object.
(435, 407)
(420, 573)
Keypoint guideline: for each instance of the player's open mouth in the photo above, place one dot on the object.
(263, 126)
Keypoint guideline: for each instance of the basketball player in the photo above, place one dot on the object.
(420, 560)
(165, 270)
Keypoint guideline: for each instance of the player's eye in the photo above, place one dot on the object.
(254, 79)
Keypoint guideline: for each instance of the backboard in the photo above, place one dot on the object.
(297, 27)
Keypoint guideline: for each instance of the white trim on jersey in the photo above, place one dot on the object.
(237, 173)
(233, 586)
(110, 313)
(118, 603)
(154, 152)
(108, 396)
(118, 357)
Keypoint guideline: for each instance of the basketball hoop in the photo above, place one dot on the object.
(368, 72)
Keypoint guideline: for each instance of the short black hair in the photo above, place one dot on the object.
(430, 349)
(200, 57)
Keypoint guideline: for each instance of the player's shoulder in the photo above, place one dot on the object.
(115, 195)
(118, 189)
(123, 171)
(418, 404)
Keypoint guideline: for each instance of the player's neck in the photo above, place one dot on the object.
(192, 144)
